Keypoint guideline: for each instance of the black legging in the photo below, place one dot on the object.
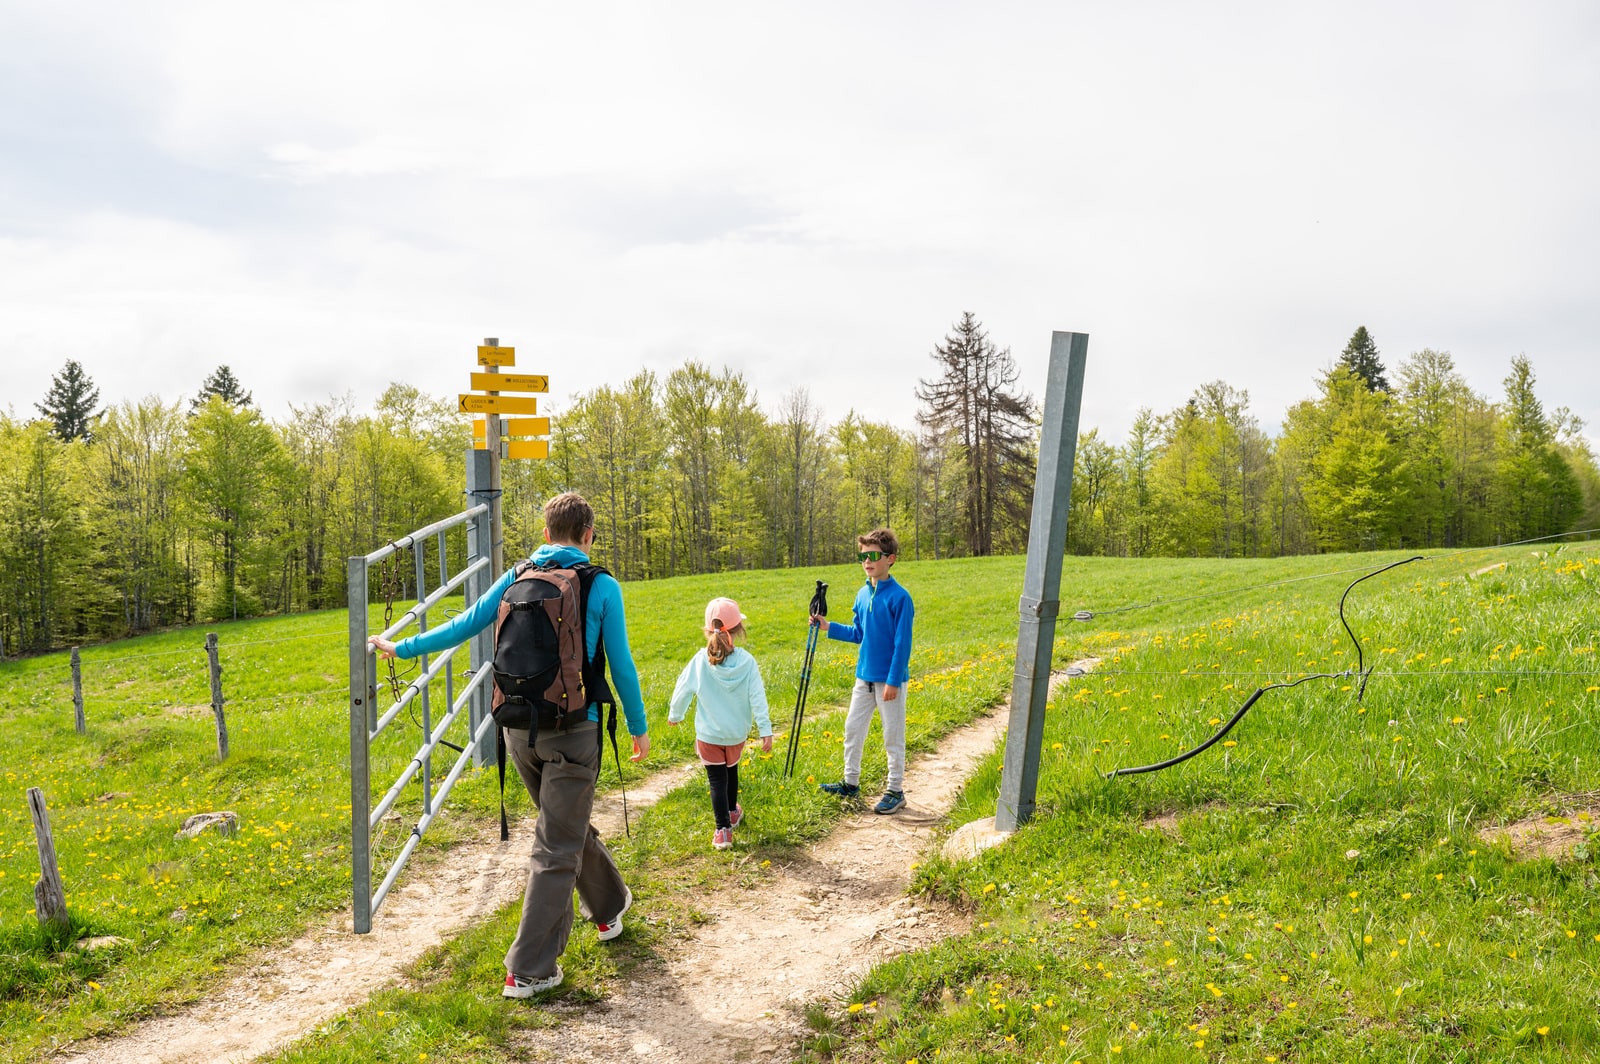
(724, 780)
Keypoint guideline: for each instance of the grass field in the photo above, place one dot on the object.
(1320, 892)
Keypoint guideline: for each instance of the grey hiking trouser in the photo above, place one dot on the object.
(864, 698)
(560, 770)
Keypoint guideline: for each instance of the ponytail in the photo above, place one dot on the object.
(719, 641)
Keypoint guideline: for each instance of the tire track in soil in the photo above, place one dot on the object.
(738, 988)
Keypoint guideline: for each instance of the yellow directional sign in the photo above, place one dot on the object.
(528, 449)
(514, 426)
(526, 426)
(510, 382)
(497, 356)
(498, 404)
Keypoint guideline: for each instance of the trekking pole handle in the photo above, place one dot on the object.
(819, 601)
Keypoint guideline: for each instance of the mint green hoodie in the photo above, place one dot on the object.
(731, 696)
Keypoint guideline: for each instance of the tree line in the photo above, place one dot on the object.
(1362, 465)
(152, 513)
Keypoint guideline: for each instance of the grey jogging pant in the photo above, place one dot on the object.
(864, 698)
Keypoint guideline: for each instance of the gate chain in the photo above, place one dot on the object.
(389, 577)
(389, 585)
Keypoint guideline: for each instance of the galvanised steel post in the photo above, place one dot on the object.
(1041, 582)
(480, 532)
(497, 547)
(360, 784)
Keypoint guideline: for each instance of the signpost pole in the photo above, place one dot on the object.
(497, 545)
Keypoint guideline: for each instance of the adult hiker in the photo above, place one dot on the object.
(558, 756)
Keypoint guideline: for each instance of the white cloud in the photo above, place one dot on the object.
(332, 196)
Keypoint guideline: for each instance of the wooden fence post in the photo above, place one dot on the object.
(49, 896)
(77, 692)
(216, 695)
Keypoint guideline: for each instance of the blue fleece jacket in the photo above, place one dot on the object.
(881, 623)
(731, 696)
(605, 617)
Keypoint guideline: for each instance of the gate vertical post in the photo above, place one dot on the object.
(360, 784)
(1041, 582)
(480, 536)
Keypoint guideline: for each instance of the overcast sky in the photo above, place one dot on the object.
(329, 197)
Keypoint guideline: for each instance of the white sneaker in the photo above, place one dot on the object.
(609, 931)
(526, 988)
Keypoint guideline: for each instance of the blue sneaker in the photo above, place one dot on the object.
(890, 802)
(841, 789)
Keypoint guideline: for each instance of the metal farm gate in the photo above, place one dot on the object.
(368, 724)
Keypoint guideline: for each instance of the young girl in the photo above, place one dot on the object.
(727, 683)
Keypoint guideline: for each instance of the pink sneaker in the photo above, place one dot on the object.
(735, 816)
(723, 838)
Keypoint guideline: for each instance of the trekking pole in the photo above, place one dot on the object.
(818, 608)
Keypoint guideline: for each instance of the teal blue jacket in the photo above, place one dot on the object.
(605, 618)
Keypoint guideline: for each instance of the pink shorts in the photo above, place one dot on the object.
(712, 754)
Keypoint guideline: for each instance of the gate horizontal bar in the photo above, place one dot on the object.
(423, 824)
(422, 533)
(433, 600)
(411, 690)
(426, 749)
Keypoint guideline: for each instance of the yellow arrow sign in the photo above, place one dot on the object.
(498, 404)
(497, 356)
(514, 426)
(528, 449)
(510, 382)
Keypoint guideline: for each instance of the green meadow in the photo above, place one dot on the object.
(1316, 888)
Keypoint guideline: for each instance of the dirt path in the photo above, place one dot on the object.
(737, 990)
(821, 922)
(275, 999)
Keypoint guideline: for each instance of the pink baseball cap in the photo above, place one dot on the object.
(725, 610)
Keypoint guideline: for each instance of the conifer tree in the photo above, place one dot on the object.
(1361, 358)
(222, 382)
(70, 402)
(976, 401)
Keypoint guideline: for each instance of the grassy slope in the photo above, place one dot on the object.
(118, 794)
(1325, 896)
(1269, 823)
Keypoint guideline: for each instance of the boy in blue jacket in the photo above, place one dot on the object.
(881, 623)
(559, 767)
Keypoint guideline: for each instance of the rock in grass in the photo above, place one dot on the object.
(224, 823)
(969, 840)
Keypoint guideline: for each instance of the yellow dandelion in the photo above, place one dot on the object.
(1543, 1031)
(855, 1006)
